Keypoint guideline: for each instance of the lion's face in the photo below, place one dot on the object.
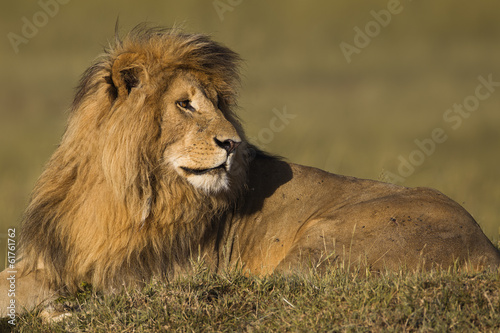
(202, 145)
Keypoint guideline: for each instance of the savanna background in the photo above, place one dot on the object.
(355, 118)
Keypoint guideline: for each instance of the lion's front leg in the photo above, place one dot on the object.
(20, 291)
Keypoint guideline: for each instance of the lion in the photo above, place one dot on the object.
(154, 169)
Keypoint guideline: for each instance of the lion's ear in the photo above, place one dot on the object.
(127, 73)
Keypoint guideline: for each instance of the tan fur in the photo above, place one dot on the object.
(154, 169)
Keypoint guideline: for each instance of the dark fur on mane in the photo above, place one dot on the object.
(187, 51)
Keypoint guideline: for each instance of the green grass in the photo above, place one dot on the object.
(435, 301)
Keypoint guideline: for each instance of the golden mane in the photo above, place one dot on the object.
(104, 210)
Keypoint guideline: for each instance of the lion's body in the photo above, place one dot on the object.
(349, 221)
(154, 169)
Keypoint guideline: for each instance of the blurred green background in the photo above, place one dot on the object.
(353, 118)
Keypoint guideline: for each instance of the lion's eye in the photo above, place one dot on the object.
(186, 104)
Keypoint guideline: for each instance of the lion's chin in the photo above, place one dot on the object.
(211, 181)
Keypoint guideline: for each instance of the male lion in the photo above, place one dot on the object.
(154, 169)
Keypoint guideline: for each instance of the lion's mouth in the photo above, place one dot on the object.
(199, 172)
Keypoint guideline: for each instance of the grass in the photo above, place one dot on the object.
(435, 301)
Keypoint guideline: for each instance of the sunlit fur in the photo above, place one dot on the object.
(109, 208)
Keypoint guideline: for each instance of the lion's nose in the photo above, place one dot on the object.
(228, 145)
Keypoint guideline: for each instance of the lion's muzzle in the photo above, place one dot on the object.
(228, 145)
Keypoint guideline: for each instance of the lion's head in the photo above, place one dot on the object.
(174, 93)
(202, 143)
(152, 154)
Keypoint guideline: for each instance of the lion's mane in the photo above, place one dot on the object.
(105, 210)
